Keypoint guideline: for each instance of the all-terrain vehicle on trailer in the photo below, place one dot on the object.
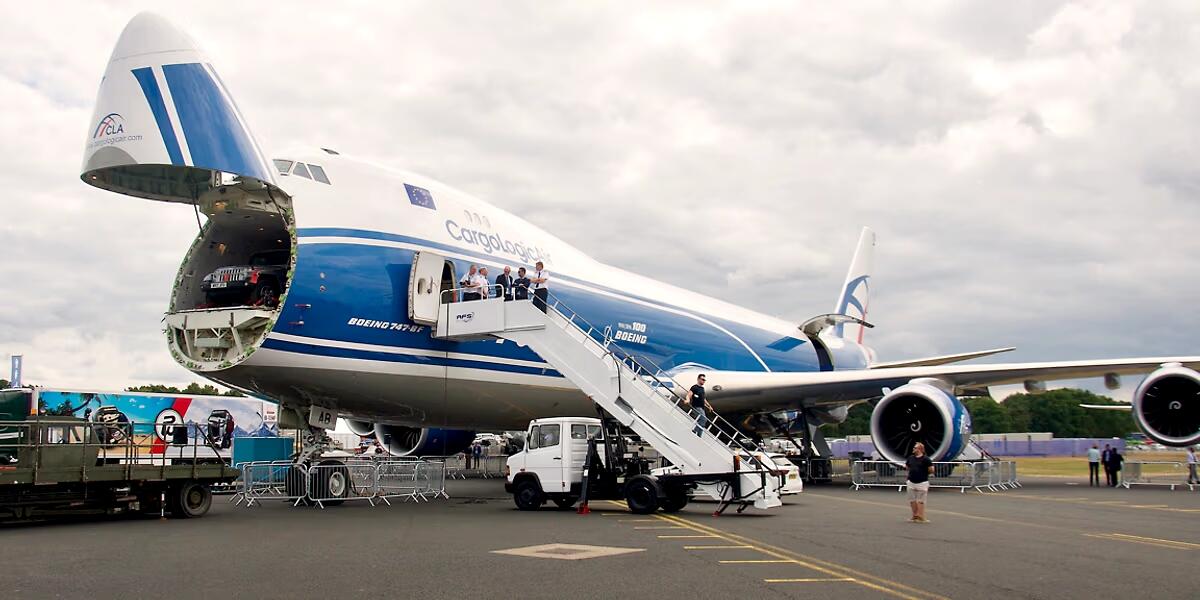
(60, 465)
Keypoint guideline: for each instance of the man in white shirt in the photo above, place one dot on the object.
(469, 284)
(541, 282)
(482, 283)
(1191, 458)
(1094, 465)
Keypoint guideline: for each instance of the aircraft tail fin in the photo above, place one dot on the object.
(855, 297)
(164, 124)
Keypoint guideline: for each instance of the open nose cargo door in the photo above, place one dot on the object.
(166, 128)
(164, 125)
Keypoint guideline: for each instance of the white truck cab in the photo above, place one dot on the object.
(551, 465)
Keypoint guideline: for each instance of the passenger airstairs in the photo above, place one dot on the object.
(633, 390)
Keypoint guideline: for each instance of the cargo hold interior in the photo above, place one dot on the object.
(247, 231)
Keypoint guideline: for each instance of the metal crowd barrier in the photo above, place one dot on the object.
(276, 480)
(372, 480)
(1167, 473)
(960, 475)
(485, 467)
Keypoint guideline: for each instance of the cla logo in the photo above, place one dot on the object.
(111, 124)
(465, 317)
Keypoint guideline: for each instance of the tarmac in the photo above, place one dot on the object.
(1053, 538)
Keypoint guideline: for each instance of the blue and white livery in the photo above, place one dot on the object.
(372, 250)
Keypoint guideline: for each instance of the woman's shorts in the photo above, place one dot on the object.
(917, 492)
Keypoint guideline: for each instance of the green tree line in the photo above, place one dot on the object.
(194, 389)
(1055, 411)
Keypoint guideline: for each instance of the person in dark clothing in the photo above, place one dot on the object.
(505, 281)
(1114, 466)
(699, 404)
(1104, 462)
(521, 285)
(920, 467)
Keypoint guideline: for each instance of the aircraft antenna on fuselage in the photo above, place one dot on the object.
(855, 296)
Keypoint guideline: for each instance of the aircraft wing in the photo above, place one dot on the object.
(743, 390)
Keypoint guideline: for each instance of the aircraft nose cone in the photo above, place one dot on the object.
(148, 32)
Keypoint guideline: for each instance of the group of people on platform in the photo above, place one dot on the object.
(1111, 458)
(525, 286)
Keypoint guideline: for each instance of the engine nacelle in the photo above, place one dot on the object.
(400, 440)
(360, 428)
(1166, 406)
(920, 411)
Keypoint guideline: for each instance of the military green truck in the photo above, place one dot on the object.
(54, 465)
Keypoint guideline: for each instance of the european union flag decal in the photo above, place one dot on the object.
(420, 197)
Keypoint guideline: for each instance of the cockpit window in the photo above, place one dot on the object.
(301, 171)
(283, 165)
(318, 173)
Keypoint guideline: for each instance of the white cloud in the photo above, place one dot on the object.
(1029, 166)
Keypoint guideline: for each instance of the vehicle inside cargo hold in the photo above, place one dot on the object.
(231, 284)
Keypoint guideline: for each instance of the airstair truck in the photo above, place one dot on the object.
(60, 464)
(569, 459)
(634, 394)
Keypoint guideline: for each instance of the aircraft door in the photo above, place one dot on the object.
(425, 287)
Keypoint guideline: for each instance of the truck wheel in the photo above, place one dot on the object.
(528, 495)
(565, 502)
(675, 501)
(641, 493)
(190, 500)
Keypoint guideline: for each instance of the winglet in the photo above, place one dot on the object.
(855, 297)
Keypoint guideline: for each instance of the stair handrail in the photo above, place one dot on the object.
(625, 358)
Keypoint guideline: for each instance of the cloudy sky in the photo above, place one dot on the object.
(1030, 166)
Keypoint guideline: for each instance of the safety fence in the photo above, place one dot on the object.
(373, 481)
(960, 475)
(1164, 473)
(461, 466)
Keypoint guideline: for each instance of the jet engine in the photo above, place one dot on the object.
(401, 440)
(920, 411)
(361, 428)
(1166, 406)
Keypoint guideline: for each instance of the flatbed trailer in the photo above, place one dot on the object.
(65, 465)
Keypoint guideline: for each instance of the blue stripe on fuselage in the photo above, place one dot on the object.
(319, 350)
(371, 282)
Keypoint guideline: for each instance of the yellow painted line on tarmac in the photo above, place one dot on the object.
(683, 537)
(811, 580)
(756, 562)
(637, 521)
(662, 527)
(1106, 536)
(834, 570)
(715, 547)
(1188, 545)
